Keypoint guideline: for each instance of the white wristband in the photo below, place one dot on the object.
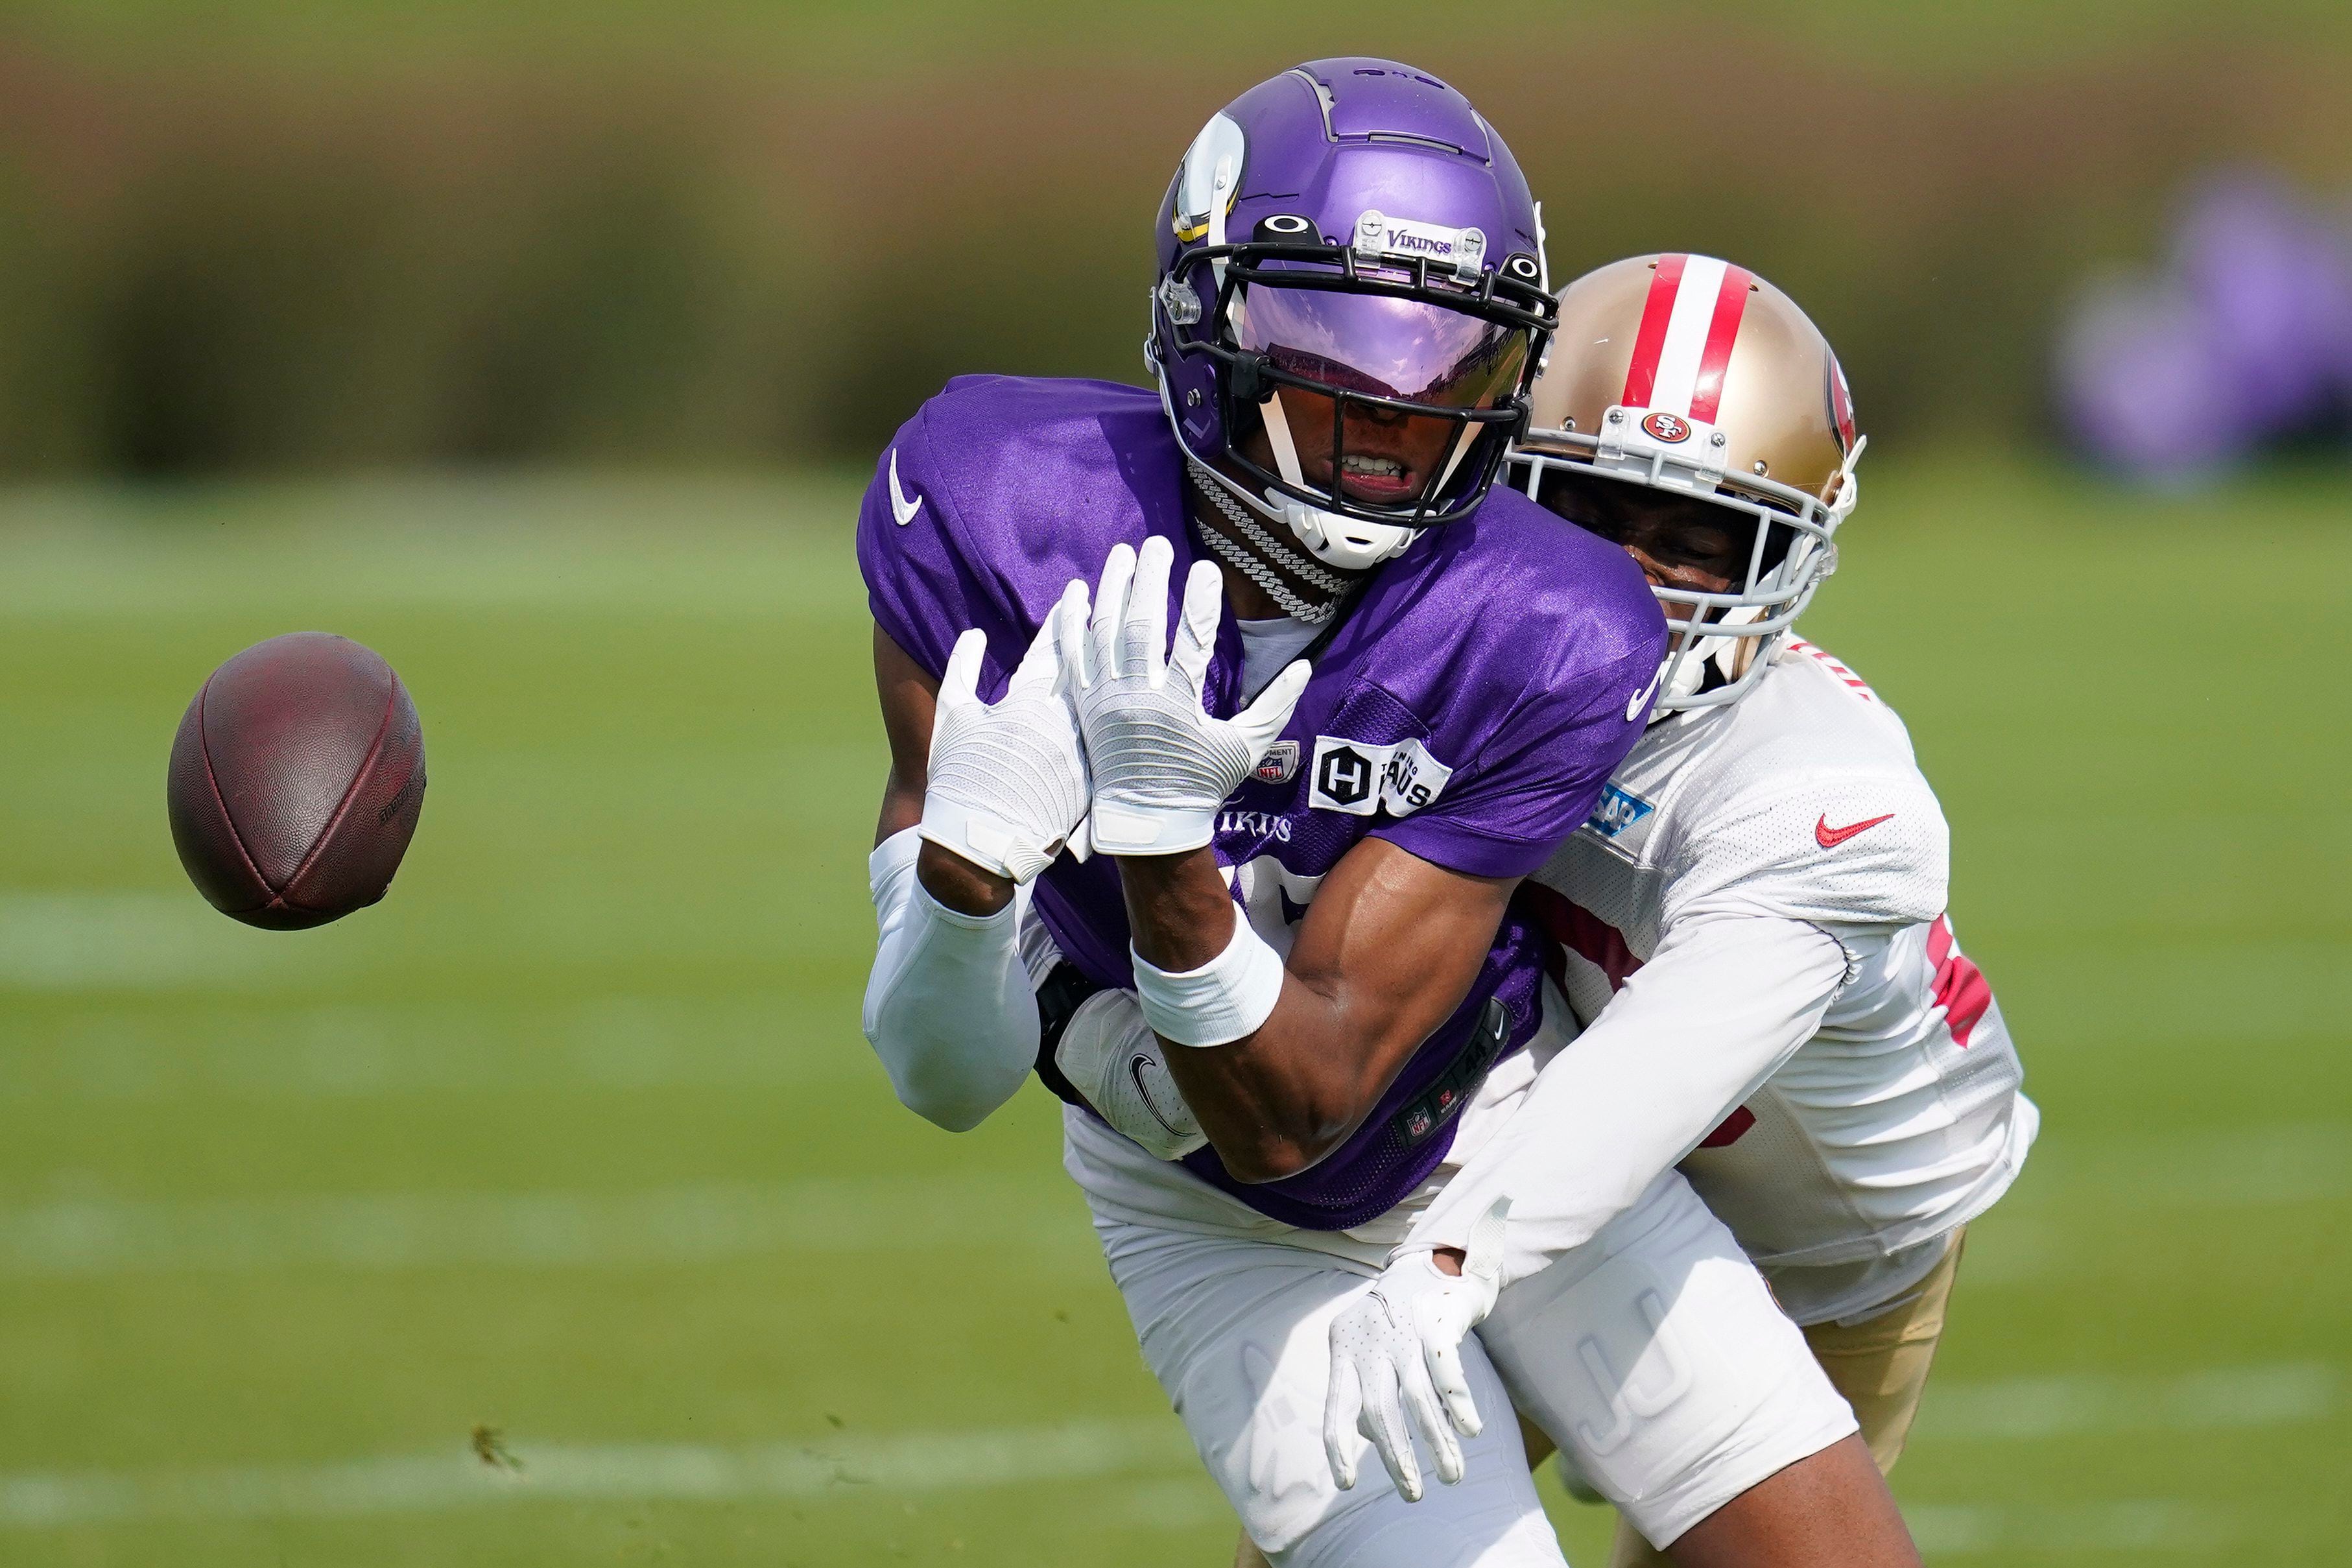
(1219, 1003)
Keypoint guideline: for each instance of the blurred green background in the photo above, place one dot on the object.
(269, 233)
(544, 352)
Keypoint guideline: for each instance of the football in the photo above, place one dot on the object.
(296, 781)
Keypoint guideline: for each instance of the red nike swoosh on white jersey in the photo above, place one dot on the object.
(1829, 837)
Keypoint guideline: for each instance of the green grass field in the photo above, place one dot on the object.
(575, 1137)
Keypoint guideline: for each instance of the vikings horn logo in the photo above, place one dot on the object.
(1668, 427)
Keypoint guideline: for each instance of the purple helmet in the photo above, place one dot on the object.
(1352, 302)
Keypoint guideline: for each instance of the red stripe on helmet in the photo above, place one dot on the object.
(1642, 374)
(1722, 331)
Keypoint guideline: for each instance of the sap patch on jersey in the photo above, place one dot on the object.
(1360, 778)
(1619, 810)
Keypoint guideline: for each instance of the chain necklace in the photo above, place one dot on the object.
(1257, 571)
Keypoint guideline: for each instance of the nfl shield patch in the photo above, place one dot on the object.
(1279, 764)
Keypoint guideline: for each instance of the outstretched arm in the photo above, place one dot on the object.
(1388, 951)
(1720, 1006)
(1722, 1002)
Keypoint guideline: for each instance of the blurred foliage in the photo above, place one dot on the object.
(262, 235)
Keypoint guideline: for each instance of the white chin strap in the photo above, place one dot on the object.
(1334, 540)
(1689, 671)
(1689, 675)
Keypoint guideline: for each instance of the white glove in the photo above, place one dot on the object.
(1161, 765)
(1111, 1057)
(1398, 1348)
(1008, 785)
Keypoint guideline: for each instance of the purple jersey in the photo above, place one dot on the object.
(1469, 706)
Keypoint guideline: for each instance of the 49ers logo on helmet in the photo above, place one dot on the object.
(1668, 427)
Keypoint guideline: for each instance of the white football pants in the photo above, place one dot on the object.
(1653, 1357)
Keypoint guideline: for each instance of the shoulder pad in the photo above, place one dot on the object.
(1867, 846)
(996, 494)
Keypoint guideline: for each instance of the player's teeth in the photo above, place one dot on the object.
(1373, 468)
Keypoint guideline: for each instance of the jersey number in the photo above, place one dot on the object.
(1961, 989)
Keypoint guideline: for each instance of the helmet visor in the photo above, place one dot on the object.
(1345, 366)
(1402, 349)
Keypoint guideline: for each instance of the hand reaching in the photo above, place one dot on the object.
(1396, 1359)
(1161, 765)
(1008, 785)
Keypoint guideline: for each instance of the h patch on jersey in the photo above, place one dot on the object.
(1360, 778)
(1617, 812)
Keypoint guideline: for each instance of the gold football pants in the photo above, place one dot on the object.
(1880, 1365)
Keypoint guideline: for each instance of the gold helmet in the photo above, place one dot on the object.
(1689, 375)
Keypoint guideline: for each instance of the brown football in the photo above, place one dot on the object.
(296, 780)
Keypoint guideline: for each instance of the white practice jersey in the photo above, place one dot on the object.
(1900, 1117)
